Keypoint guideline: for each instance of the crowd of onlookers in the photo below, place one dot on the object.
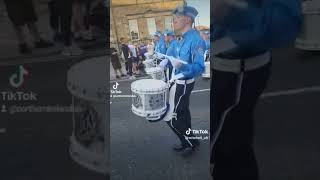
(133, 55)
(70, 21)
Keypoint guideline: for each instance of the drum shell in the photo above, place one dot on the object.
(309, 38)
(149, 102)
(86, 81)
(156, 73)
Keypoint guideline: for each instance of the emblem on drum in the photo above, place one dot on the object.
(87, 124)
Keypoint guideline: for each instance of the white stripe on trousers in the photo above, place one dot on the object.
(184, 92)
(226, 112)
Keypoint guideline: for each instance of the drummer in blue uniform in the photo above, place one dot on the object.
(160, 45)
(171, 42)
(205, 35)
(190, 49)
(244, 33)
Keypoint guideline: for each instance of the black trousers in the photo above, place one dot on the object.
(182, 122)
(128, 64)
(232, 152)
(60, 18)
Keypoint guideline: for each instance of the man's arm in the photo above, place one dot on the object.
(197, 66)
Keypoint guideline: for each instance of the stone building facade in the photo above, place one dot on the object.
(135, 20)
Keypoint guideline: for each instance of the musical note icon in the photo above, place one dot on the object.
(17, 79)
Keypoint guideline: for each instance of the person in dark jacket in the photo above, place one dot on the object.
(116, 63)
(22, 13)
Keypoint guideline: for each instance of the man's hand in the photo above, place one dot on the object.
(176, 64)
(163, 63)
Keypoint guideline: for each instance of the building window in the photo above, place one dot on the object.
(168, 22)
(152, 28)
(133, 29)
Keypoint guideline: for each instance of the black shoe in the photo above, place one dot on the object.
(123, 75)
(117, 76)
(43, 44)
(24, 49)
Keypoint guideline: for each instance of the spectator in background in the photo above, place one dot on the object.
(126, 54)
(116, 63)
(142, 49)
(61, 18)
(22, 13)
(134, 57)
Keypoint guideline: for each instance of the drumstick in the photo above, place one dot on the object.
(171, 58)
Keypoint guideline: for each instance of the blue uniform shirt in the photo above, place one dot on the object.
(272, 24)
(171, 51)
(191, 50)
(161, 46)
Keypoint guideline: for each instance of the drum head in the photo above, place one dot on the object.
(148, 85)
(89, 79)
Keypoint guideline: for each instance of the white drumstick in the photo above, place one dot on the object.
(170, 58)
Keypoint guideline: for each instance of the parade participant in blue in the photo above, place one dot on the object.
(190, 49)
(244, 33)
(205, 35)
(160, 45)
(171, 51)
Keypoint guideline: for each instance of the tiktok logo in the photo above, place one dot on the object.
(17, 79)
(188, 131)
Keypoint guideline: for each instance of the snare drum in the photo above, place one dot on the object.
(309, 38)
(149, 98)
(149, 63)
(148, 55)
(206, 73)
(156, 73)
(87, 82)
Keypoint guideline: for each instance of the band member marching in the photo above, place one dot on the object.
(160, 45)
(244, 33)
(171, 42)
(190, 49)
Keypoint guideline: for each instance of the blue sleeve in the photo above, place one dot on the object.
(274, 25)
(196, 67)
